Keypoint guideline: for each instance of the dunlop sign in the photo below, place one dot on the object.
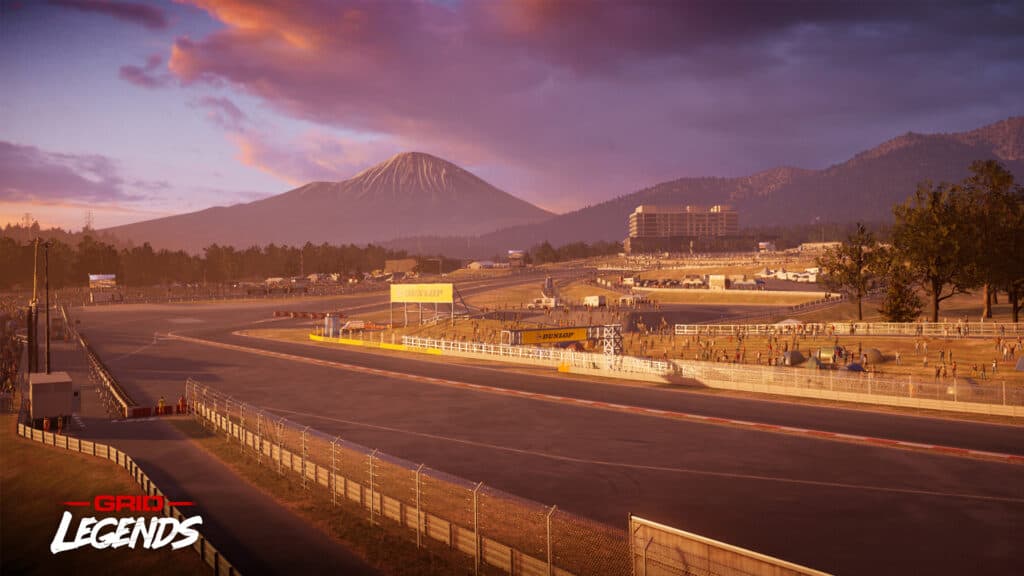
(421, 293)
(552, 335)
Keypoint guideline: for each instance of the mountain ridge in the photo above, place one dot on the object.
(863, 188)
(411, 193)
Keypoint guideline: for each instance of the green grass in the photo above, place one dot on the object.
(34, 482)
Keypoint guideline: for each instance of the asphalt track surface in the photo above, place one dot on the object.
(840, 507)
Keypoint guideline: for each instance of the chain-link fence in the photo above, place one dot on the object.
(956, 394)
(829, 329)
(496, 530)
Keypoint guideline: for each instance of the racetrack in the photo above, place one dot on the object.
(840, 507)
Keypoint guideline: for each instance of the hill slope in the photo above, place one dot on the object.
(864, 188)
(410, 194)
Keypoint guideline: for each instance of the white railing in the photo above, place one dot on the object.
(930, 329)
(545, 356)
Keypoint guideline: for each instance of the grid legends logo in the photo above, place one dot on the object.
(117, 532)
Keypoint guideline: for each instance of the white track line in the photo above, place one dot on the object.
(650, 467)
(684, 416)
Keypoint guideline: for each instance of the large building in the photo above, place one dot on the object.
(681, 228)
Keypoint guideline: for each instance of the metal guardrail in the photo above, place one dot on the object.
(207, 552)
(545, 356)
(920, 329)
(659, 550)
(491, 527)
(117, 397)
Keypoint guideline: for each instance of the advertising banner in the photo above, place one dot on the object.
(422, 293)
(102, 280)
(548, 336)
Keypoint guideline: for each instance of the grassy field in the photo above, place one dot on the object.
(731, 297)
(34, 481)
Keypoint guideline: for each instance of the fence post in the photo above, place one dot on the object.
(241, 428)
(278, 430)
(551, 567)
(334, 473)
(419, 539)
(304, 457)
(476, 528)
(372, 454)
(646, 546)
(259, 437)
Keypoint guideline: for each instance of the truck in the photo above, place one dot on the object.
(543, 303)
(594, 301)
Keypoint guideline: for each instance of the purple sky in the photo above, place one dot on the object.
(134, 110)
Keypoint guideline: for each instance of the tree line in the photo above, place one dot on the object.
(71, 264)
(947, 239)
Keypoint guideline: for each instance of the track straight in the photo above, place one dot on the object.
(623, 408)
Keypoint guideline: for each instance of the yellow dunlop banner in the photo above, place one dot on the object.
(553, 335)
(423, 293)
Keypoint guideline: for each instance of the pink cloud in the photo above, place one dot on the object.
(29, 174)
(223, 112)
(142, 14)
(151, 75)
(582, 99)
(312, 157)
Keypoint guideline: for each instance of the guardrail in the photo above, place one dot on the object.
(920, 329)
(117, 398)
(207, 552)
(554, 357)
(956, 395)
(658, 550)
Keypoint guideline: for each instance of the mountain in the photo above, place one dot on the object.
(864, 188)
(410, 194)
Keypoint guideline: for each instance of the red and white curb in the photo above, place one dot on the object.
(625, 408)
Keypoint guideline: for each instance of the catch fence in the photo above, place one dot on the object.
(497, 531)
(544, 356)
(919, 329)
(955, 394)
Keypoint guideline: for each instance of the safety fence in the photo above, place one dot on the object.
(659, 550)
(920, 329)
(952, 394)
(207, 552)
(492, 528)
(545, 356)
(115, 398)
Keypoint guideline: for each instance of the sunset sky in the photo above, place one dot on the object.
(136, 110)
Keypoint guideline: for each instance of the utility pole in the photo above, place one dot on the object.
(33, 313)
(46, 273)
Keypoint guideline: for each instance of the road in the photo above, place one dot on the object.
(839, 507)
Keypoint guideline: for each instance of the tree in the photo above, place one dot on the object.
(933, 232)
(850, 267)
(901, 303)
(996, 208)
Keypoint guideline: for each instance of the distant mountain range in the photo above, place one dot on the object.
(864, 188)
(410, 194)
(425, 204)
